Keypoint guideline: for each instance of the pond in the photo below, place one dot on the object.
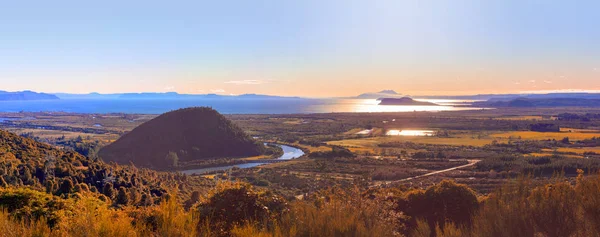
(365, 132)
(410, 133)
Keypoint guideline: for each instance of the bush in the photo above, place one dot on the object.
(441, 203)
(235, 204)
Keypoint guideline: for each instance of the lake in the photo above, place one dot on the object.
(223, 105)
(288, 154)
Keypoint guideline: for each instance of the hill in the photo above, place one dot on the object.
(182, 135)
(545, 102)
(25, 95)
(404, 101)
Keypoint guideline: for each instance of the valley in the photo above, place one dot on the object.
(375, 156)
(386, 162)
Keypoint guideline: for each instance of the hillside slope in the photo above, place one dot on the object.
(192, 134)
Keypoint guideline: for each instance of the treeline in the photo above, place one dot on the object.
(87, 148)
(336, 152)
(578, 117)
(538, 166)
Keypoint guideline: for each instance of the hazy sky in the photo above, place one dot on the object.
(306, 48)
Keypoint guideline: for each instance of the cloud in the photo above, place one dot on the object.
(217, 90)
(169, 88)
(246, 82)
(517, 83)
(532, 81)
(548, 82)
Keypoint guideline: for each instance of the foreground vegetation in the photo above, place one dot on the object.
(237, 209)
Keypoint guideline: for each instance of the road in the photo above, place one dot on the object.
(471, 163)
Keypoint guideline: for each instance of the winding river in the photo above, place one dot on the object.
(288, 154)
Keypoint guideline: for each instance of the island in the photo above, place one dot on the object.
(404, 101)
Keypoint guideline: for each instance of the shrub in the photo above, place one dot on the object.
(234, 204)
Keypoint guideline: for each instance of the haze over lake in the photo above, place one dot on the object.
(226, 106)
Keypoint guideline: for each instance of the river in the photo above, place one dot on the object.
(288, 154)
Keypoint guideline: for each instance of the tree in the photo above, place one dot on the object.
(108, 190)
(80, 188)
(66, 186)
(172, 159)
(122, 196)
(134, 196)
(195, 197)
(146, 200)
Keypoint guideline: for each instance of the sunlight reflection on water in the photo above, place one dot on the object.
(410, 133)
(372, 106)
(226, 105)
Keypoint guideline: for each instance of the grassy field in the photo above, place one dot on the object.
(579, 150)
(529, 135)
(580, 130)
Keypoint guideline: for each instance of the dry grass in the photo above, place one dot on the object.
(578, 150)
(529, 135)
(580, 130)
(311, 148)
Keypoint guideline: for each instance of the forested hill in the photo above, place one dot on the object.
(180, 136)
(25, 162)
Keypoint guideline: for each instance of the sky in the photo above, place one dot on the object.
(313, 48)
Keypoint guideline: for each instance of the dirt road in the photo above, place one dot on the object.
(471, 163)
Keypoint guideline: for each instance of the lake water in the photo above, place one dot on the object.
(288, 154)
(223, 105)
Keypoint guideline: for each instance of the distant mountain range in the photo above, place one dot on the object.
(488, 100)
(166, 95)
(540, 102)
(25, 95)
(508, 97)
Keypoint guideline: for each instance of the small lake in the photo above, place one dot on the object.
(365, 132)
(288, 154)
(410, 133)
